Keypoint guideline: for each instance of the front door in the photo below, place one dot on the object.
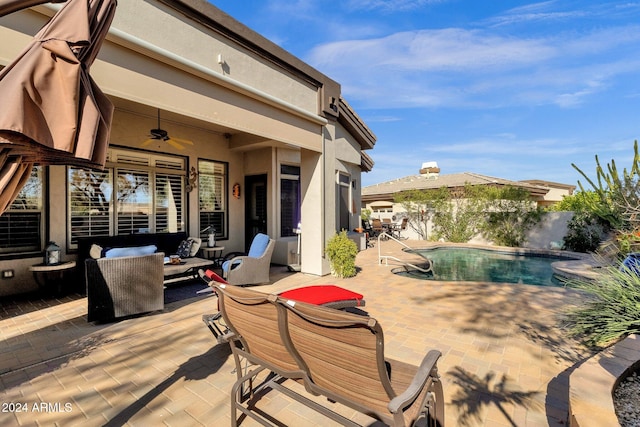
(255, 207)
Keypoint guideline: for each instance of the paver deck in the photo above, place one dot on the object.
(505, 360)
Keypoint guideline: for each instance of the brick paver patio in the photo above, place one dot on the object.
(505, 361)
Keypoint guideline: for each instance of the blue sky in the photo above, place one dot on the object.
(512, 89)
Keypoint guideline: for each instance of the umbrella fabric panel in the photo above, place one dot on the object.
(48, 94)
(10, 6)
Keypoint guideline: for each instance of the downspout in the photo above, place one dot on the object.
(324, 193)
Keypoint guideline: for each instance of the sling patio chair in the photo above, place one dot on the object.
(379, 228)
(330, 296)
(343, 358)
(334, 354)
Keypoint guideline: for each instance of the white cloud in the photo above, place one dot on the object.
(390, 5)
(434, 50)
(481, 68)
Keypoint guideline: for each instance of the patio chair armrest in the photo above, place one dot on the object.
(427, 369)
(242, 263)
(232, 255)
(227, 338)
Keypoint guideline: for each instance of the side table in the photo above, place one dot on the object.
(51, 275)
(214, 254)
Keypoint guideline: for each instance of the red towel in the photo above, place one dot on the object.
(321, 294)
(213, 276)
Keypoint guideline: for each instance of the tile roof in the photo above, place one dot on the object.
(420, 182)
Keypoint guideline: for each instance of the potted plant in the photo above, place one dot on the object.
(342, 252)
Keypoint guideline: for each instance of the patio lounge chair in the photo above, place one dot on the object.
(253, 268)
(255, 336)
(357, 374)
(338, 355)
(326, 295)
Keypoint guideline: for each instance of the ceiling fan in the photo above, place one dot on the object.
(159, 134)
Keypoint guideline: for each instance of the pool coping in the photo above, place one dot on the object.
(591, 385)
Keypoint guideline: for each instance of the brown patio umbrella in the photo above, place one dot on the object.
(52, 112)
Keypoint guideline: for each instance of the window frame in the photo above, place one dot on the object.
(286, 176)
(221, 214)
(121, 160)
(342, 185)
(42, 212)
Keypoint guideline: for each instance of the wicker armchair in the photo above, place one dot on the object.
(125, 286)
(253, 268)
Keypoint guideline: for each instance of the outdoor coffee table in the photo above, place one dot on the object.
(187, 269)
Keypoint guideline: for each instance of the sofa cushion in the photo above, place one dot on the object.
(132, 251)
(195, 245)
(259, 245)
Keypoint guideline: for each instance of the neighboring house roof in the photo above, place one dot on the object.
(551, 184)
(386, 190)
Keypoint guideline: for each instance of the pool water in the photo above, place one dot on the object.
(471, 264)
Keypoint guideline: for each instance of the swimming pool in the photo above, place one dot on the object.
(486, 265)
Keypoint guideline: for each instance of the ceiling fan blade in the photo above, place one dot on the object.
(182, 141)
(175, 144)
(148, 141)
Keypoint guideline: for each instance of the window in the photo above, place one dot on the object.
(90, 202)
(344, 198)
(137, 192)
(382, 209)
(21, 225)
(289, 200)
(212, 197)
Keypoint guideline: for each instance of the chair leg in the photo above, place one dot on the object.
(212, 322)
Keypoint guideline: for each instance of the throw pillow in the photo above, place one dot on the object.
(95, 252)
(184, 249)
(195, 245)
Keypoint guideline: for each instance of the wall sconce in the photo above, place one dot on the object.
(333, 105)
(192, 180)
(236, 190)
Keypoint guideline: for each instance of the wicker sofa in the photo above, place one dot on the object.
(124, 286)
(127, 285)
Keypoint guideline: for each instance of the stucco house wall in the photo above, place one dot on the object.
(238, 97)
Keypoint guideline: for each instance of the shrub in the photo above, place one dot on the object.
(510, 213)
(617, 198)
(585, 232)
(342, 252)
(612, 310)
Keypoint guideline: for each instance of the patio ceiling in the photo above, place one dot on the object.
(238, 140)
